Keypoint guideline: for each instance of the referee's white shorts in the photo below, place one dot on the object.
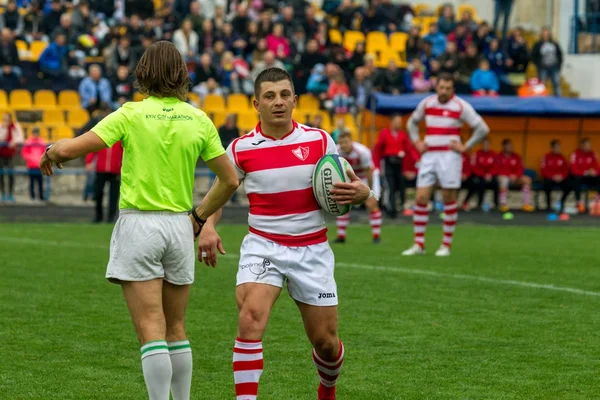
(444, 167)
(148, 245)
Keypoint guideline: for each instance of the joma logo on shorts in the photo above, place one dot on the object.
(326, 295)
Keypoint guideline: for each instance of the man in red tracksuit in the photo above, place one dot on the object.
(485, 174)
(391, 148)
(585, 170)
(511, 174)
(108, 170)
(555, 171)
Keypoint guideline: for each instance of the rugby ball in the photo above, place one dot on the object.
(330, 169)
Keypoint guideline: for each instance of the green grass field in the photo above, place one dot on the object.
(513, 314)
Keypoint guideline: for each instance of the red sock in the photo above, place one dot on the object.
(375, 221)
(248, 366)
(342, 223)
(420, 219)
(328, 373)
(450, 218)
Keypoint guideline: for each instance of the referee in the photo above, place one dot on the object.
(152, 245)
(390, 149)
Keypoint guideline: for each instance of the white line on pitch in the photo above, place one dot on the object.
(401, 270)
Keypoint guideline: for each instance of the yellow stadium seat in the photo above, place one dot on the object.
(69, 99)
(425, 23)
(247, 120)
(308, 102)
(326, 124)
(62, 132)
(422, 8)
(466, 7)
(20, 99)
(299, 115)
(194, 99)
(214, 102)
(44, 100)
(237, 102)
(376, 42)
(44, 132)
(22, 49)
(3, 99)
(398, 41)
(218, 118)
(349, 120)
(36, 50)
(53, 117)
(76, 119)
(335, 36)
(384, 59)
(351, 38)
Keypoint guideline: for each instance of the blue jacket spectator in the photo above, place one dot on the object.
(496, 58)
(94, 90)
(53, 61)
(437, 39)
(447, 21)
(484, 80)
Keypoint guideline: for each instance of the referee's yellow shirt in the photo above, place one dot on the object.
(162, 140)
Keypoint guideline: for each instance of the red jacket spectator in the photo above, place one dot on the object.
(108, 160)
(467, 168)
(484, 163)
(338, 88)
(389, 144)
(554, 165)
(510, 164)
(411, 158)
(32, 152)
(582, 161)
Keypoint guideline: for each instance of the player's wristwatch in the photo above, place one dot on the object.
(198, 220)
(372, 194)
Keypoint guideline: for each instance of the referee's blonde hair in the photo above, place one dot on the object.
(161, 72)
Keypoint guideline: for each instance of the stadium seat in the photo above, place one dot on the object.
(137, 96)
(20, 99)
(237, 102)
(44, 100)
(299, 114)
(213, 102)
(76, 119)
(351, 38)
(385, 57)
(193, 98)
(53, 117)
(44, 132)
(247, 120)
(3, 99)
(467, 7)
(335, 36)
(398, 41)
(36, 49)
(22, 49)
(69, 99)
(422, 8)
(308, 102)
(376, 42)
(218, 118)
(62, 132)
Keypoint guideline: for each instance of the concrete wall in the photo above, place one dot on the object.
(581, 71)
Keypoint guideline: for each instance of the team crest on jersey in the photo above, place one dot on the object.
(446, 113)
(301, 152)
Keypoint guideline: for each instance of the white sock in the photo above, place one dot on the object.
(156, 365)
(181, 360)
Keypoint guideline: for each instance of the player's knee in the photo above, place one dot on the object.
(151, 327)
(422, 198)
(327, 346)
(252, 319)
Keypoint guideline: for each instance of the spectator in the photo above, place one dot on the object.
(547, 57)
(196, 16)
(339, 94)
(317, 81)
(205, 70)
(518, 55)
(418, 77)
(34, 24)
(469, 64)
(449, 61)
(94, 89)
(12, 19)
(9, 56)
(186, 40)
(82, 18)
(122, 54)
(53, 60)
(461, 36)
(122, 87)
(340, 126)
(502, 10)
(277, 43)
(360, 88)
(390, 80)
(66, 28)
(468, 21)
(207, 36)
(585, 170)
(269, 61)
(497, 60)
(232, 40)
(52, 18)
(414, 43)
(483, 81)
(555, 173)
(437, 39)
(435, 68)
(32, 153)
(258, 55)
(485, 173)
(11, 137)
(511, 175)
(252, 39)
(447, 23)
(482, 38)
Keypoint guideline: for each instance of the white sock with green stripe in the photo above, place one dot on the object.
(181, 360)
(156, 365)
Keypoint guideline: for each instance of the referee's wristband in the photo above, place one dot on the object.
(198, 220)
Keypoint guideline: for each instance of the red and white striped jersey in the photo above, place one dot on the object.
(359, 158)
(277, 178)
(444, 121)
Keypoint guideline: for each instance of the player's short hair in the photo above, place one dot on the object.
(345, 134)
(554, 142)
(445, 76)
(584, 140)
(505, 142)
(162, 72)
(271, 75)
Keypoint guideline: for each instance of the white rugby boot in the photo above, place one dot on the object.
(443, 251)
(414, 250)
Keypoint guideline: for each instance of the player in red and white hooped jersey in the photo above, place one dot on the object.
(441, 159)
(287, 239)
(360, 158)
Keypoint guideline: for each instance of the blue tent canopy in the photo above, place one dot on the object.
(501, 106)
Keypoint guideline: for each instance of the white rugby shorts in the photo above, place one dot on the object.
(147, 245)
(444, 167)
(376, 183)
(307, 269)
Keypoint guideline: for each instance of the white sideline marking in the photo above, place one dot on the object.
(401, 270)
